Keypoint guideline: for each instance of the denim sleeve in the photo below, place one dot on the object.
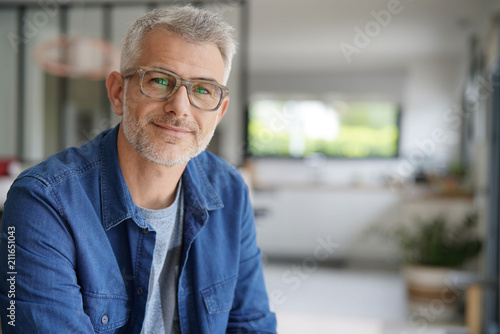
(39, 291)
(250, 312)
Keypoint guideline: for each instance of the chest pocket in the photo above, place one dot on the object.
(106, 312)
(218, 300)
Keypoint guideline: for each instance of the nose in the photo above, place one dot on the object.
(179, 102)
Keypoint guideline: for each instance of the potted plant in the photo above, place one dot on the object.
(431, 250)
(439, 242)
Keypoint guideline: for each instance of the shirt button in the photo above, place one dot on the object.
(139, 291)
(104, 319)
(145, 230)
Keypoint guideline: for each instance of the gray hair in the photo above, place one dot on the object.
(192, 24)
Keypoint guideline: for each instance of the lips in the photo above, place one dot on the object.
(174, 130)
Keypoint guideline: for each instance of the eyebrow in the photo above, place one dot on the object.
(197, 78)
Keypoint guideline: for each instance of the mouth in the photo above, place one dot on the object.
(173, 130)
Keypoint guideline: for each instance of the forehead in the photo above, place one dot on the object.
(189, 60)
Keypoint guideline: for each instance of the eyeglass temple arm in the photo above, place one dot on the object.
(130, 71)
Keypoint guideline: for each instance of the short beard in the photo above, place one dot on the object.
(136, 133)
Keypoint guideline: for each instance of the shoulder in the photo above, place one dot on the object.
(61, 166)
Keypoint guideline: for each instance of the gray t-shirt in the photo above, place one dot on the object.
(161, 310)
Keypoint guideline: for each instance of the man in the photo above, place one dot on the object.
(140, 230)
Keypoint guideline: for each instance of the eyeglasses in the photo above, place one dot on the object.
(160, 84)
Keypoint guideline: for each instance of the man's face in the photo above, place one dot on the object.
(172, 132)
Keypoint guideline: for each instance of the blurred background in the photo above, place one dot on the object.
(366, 130)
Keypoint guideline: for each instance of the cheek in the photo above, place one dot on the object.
(207, 123)
(137, 104)
(138, 110)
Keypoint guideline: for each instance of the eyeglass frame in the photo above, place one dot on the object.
(178, 83)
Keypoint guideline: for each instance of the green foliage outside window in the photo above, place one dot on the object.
(342, 129)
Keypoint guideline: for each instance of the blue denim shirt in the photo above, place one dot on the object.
(76, 254)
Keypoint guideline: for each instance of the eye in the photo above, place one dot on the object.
(160, 81)
(202, 90)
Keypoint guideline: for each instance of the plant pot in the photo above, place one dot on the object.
(431, 297)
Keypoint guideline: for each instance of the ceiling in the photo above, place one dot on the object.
(298, 35)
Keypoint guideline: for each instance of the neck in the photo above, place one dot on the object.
(151, 185)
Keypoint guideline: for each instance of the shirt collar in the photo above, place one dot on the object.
(116, 202)
(198, 185)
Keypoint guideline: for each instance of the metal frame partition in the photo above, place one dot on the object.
(491, 314)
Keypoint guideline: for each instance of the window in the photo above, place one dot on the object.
(344, 129)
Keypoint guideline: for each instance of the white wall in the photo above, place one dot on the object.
(432, 96)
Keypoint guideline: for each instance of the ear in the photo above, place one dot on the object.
(115, 86)
(223, 108)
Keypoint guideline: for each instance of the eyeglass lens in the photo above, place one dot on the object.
(161, 85)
